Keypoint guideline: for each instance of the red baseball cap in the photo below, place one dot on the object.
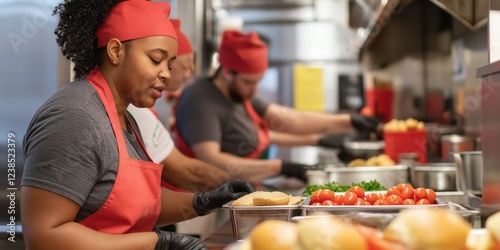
(135, 19)
(184, 44)
(243, 53)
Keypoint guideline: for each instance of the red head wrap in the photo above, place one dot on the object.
(184, 44)
(243, 53)
(134, 19)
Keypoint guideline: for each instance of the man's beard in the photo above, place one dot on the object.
(234, 95)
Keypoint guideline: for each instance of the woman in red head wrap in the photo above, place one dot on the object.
(88, 182)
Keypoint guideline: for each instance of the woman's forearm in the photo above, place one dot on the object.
(175, 207)
(72, 235)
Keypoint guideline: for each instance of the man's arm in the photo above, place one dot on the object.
(191, 174)
(291, 140)
(287, 120)
(237, 167)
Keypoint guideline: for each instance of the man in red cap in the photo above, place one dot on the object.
(220, 121)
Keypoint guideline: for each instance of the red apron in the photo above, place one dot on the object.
(134, 202)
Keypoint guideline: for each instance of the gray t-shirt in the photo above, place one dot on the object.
(70, 148)
(204, 114)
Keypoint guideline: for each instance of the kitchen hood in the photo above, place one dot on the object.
(472, 13)
(369, 17)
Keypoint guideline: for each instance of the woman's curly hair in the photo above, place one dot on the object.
(76, 31)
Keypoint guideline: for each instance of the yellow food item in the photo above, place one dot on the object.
(262, 198)
(409, 124)
(380, 160)
(357, 163)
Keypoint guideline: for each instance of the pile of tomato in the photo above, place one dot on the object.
(402, 194)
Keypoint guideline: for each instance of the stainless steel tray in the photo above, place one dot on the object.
(380, 220)
(388, 176)
(346, 209)
(245, 218)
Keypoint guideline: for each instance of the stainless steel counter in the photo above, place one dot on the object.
(222, 237)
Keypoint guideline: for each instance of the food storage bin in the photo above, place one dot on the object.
(388, 176)
(245, 218)
(406, 142)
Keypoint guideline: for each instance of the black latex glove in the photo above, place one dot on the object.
(296, 170)
(332, 141)
(364, 123)
(176, 241)
(205, 203)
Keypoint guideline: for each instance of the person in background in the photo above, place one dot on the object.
(88, 182)
(220, 121)
(179, 171)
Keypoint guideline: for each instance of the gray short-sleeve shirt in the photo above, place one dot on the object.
(204, 114)
(70, 148)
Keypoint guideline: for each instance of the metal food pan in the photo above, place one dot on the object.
(245, 218)
(387, 176)
(347, 209)
(381, 220)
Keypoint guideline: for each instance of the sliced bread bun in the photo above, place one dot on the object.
(271, 199)
(261, 198)
(323, 231)
(493, 225)
(295, 200)
(273, 235)
(428, 228)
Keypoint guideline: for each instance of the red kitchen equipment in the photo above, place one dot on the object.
(413, 141)
(381, 102)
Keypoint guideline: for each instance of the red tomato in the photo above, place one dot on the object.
(360, 202)
(402, 186)
(423, 202)
(350, 198)
(323, 195)
(315, 204)
(339, 199)
(431, 195)
(382, 196)
(394, 200)
(371, 198)
(381, 202)
(328, 203)
(315, 197)
(407, 193)
(358, 190)
(420, 193)
(376, 241)
(409, 202)
(393, 190)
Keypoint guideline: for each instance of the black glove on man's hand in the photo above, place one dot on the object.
(176, 241)
(204, 203)
(364, 123)
(332, 141)
(296, 170)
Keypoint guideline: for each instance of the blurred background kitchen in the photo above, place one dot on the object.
(399, 58)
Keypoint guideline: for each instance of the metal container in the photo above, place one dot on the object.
(364, 149)
(437, 176)
(469, 172)
(456, 143)
(245, 218)
(316, 177)
(387, 176)
(353, 209)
